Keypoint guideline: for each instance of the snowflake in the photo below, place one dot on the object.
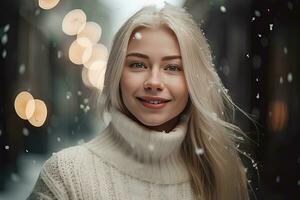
(223, 9)
(199, 151)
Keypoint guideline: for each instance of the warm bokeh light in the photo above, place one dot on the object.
(91, 31)
(96, 77)
(21, 102)
(80, 54)
(93, 78)
(30, 108)
(48, 4)
(40, 113)
(278, 114)
(85, 78)
(98, 58)
(74, 22)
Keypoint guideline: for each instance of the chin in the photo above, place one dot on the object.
(152, 123)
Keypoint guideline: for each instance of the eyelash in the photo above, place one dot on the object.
(170, 65)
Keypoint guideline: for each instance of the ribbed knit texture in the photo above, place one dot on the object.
(127, 161)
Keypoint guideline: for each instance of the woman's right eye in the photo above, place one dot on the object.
(137, 65)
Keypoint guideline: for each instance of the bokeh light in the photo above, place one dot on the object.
(278, 115)
(40, 114)
(20, 104)
(85, 78)
(80, 53)
(30, 108)
(91, 31)
(98, 58)
(74, 22)
(48, 4)
(96, 77)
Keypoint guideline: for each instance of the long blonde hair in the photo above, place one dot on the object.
(218, 173)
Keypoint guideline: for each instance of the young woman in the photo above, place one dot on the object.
(169, 135)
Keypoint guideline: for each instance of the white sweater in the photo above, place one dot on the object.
(125, 162)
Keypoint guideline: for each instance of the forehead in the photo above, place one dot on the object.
(151, 40)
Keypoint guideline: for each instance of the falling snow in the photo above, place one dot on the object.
(79, 93)
(37, 12)
(86, 109)
(15, 177)
(6, 147)
(25, 132)
(68, 95)
(199, 151)
(26, 151)
(4, 39)
(86, 101)
(59, 54)
(223, 9)
(257, 96)
(257, 13)
(22, 69)
(81, 141)
(4, 53)
(58, 139)
(280, 80)
(277, 179)
(259, 35)
(0, 132)
(285, 50)
(271, 27)
(256, 79)
(290, 77)
(6, 27)
(247, 55)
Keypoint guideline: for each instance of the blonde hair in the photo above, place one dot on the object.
(218, 173)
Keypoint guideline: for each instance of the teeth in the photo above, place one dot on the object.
(154, 102)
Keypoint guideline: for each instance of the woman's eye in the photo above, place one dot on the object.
(137, 65)
(174, 67)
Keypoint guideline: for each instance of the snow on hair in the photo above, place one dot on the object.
(218, 172)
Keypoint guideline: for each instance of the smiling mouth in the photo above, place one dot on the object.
(154, 101)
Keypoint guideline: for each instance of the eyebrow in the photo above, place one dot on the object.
(147, 57)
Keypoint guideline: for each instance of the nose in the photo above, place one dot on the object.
(154, 82)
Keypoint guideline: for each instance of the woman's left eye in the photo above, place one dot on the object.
(173, 67)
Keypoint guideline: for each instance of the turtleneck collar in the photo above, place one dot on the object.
(146, 144)
(140, 152)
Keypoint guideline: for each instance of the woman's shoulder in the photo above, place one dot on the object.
(69, 155)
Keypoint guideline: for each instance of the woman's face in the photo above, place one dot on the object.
(153, 69)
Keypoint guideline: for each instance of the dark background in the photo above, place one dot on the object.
(255, 45)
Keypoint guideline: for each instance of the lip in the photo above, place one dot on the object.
(149, 98)
(153, 106)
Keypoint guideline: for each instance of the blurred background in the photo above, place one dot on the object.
(255, 46)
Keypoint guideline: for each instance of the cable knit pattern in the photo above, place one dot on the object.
(125, 162)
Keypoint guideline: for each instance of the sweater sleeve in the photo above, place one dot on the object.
(49, 185)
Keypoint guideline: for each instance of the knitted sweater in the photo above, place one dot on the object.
(126, 161)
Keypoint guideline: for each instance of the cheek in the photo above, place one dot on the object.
(181, 90)
(128, 84)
